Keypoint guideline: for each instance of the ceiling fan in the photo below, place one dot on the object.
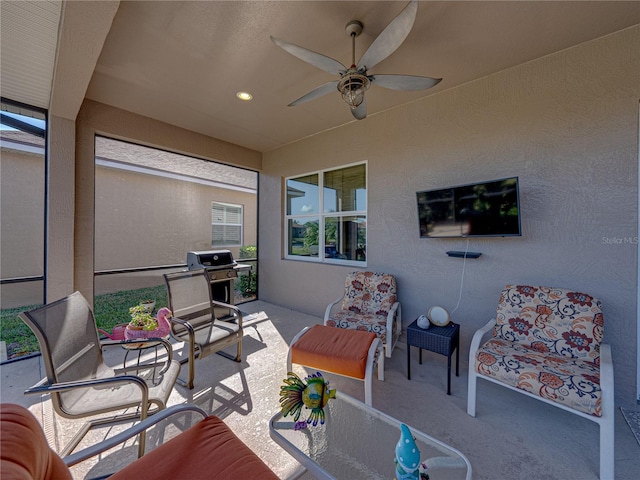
(356, 80)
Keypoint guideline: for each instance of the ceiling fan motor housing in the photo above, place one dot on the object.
(354, 27)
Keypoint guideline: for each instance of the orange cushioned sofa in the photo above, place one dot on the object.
(209, 449)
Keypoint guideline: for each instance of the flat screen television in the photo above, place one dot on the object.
(487, 209)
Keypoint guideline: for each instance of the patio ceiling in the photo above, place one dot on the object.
(183, 62)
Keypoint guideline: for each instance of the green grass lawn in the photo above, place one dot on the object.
(109, 310)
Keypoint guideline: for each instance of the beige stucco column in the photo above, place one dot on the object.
(84, 208)
(60, 208)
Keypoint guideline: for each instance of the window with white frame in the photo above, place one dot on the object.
(326, 211)
(226, 225)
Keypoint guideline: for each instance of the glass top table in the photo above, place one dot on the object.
(358, 442)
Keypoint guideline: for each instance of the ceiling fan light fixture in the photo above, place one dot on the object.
(352, 88)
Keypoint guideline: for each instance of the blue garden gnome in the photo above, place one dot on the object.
(407, 456)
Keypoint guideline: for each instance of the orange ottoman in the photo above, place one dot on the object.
(351, 353)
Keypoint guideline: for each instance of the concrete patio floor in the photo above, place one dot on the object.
(512, 436)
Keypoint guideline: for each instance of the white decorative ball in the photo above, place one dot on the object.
(423, 322)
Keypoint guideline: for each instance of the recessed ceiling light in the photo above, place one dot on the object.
(244, 96)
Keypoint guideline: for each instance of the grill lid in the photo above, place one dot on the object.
(211, 259)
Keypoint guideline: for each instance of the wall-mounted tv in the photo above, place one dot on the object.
(487, 209)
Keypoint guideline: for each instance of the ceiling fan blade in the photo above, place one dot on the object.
(323, 62)
(404, 82)
(391, 37)
(360, 111)
(316, 92)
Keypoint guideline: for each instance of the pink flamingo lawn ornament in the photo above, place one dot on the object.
(162, 330)
(118, 332)
(121, 332)
(164, 326)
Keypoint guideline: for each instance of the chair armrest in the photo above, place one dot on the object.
(473, 348)
(606, 362)
(606, 377)
(477, 338)
(236, 311)
(42, 387)
(395, 309)
(186, 325)
(111, 442)
(327, 312)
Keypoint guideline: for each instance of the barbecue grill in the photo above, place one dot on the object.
(222, 270)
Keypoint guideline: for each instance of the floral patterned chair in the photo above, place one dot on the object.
(546, 344)
(369, 303)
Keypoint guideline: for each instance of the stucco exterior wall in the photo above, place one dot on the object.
(144, 220)
(141, 220)
(565, 124)
(98, 119)
(60, 201)
(22, 177)
(22, 225)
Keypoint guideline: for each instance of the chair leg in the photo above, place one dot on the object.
(471, 392)
(381, 363)
(293, 341)
(375, 354)
(368, 391)
(239, 351)
(190, 361)
(113, 420)
(391, 337)
(607, 441)
(142, 438)
(184, 383)
(388, 346)
(68, 449)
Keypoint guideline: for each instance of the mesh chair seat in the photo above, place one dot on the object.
(83, 402)
(211, 334)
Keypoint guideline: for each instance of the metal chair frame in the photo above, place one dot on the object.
(67, 359)
(195, 323)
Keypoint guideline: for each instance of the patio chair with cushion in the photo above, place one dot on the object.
(208, 449)
(194, 319)
(369, 303)
(546, 344)
(81, 385)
